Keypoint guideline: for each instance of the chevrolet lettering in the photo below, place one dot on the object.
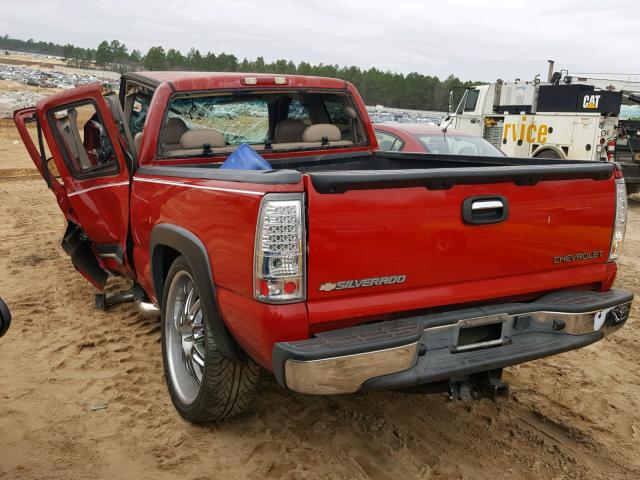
(577, 257)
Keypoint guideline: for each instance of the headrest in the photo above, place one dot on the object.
(289, 130)
(315, 133)
(173, 130)
(199, 138)
(350, 112)
(72, 113)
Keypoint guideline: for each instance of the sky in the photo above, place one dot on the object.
(474, 40)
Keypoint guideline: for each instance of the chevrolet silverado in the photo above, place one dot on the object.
(337, 267)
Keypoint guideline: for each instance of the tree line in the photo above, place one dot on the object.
(413, 90)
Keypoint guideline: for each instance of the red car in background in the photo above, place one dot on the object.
(425, 138)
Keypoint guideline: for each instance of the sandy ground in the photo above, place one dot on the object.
(82, 393)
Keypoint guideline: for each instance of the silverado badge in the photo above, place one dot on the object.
(365, 282)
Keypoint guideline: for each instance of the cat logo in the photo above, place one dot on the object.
(591, 101)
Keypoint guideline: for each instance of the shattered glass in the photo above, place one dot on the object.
(239, 119)
(297, 111)
(139, 113)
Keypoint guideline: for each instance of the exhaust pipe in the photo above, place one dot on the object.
(134, 294)
(147, 309)
(103, 301)
(550, 75)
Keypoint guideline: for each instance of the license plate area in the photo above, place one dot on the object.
(480, 333)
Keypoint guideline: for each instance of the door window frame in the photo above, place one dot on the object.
(108, 170)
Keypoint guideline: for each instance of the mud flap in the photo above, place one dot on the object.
(76, 244)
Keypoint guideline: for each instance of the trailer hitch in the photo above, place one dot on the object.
(479, 385)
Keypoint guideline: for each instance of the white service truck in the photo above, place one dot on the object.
(567, 117)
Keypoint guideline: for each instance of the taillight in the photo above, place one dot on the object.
(620, 222)
(279, 264)
(611, 150)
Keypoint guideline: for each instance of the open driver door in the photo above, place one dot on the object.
(88, 170)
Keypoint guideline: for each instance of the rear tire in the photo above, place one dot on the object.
(204, 384)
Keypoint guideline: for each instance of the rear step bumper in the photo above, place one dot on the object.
(434, 347)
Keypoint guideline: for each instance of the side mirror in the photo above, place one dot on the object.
(5, 318)
(450, 108)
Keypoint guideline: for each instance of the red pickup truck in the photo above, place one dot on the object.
(338, 267)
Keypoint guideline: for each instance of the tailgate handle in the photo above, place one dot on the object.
(485, 209)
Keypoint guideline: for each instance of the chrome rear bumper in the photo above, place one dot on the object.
(430, 348)
(346, 374)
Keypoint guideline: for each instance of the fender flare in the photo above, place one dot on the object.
(192, 248)
(553, 148)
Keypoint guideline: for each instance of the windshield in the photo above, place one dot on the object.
(458, 145)
(468, 101)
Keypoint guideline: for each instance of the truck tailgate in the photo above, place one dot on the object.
(376, 250)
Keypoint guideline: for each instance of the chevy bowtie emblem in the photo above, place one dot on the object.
(365, 282)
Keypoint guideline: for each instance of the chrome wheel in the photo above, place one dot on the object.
(184, 336)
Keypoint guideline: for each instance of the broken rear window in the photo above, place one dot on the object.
(202, 124)
(240, 120)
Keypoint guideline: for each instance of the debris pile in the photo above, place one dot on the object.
(48, 79)
(10, 101)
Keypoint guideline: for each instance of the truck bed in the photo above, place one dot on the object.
(400, 214)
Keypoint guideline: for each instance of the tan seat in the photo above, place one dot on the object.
(313, 136)
(201, 138)
(214, 150)
(172, 133)
(290, 145)
(195, 142)
(289, 130)
(319, 131)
